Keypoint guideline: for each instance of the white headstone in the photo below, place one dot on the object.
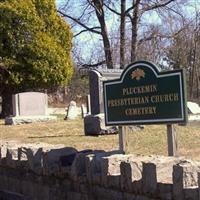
(193, 107)
(73, 111)
(83, 110)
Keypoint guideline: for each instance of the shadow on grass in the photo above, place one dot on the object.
(54, 136)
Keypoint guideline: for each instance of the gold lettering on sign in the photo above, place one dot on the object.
(140, 111)
(164, 98)
(139, 90)
(172, 97)
(128, 101)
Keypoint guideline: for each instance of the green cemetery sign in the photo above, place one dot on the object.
(144, 95)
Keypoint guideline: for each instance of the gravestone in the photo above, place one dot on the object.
(96, 79)
(193, 111)
(29, 107)
(88, 104)
(94, 121)
(30, 104)
(73, 112)
(83, 110)
(193, 108)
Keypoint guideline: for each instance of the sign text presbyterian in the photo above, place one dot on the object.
(144, 95)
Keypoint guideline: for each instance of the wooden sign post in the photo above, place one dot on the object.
(172, 140)
(122, 139)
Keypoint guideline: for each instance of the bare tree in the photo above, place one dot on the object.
(184, 53)
(98, 6)
(134, 13)
(136, 34)
(98, 9)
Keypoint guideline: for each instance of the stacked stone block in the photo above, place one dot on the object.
(42, 174)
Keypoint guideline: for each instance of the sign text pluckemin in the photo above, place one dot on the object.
(144, 95)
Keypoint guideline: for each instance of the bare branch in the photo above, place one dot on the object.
(129, 9)
(176, 12)
(156, 6)
(85, 30)
(79, 22)
(159, 35)
(112, 10)
(83, 13)
(97, 5)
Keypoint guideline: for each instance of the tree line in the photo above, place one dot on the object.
(171, 40)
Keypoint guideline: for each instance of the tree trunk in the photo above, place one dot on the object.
(98, 5)
(134, 23)
(191, 82)
(197, 79)
(122, 34)
(7, 109)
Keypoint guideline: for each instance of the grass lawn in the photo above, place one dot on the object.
(151, 140)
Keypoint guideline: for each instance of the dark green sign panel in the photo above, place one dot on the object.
(144, 95)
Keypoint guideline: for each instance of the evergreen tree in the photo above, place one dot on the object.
(35, 46)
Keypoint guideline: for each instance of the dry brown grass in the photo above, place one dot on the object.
(151, 140)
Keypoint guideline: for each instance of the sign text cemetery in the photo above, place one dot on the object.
(144, 95)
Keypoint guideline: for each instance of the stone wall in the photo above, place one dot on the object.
(64, 174)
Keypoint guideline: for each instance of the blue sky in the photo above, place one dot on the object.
(89, 41)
